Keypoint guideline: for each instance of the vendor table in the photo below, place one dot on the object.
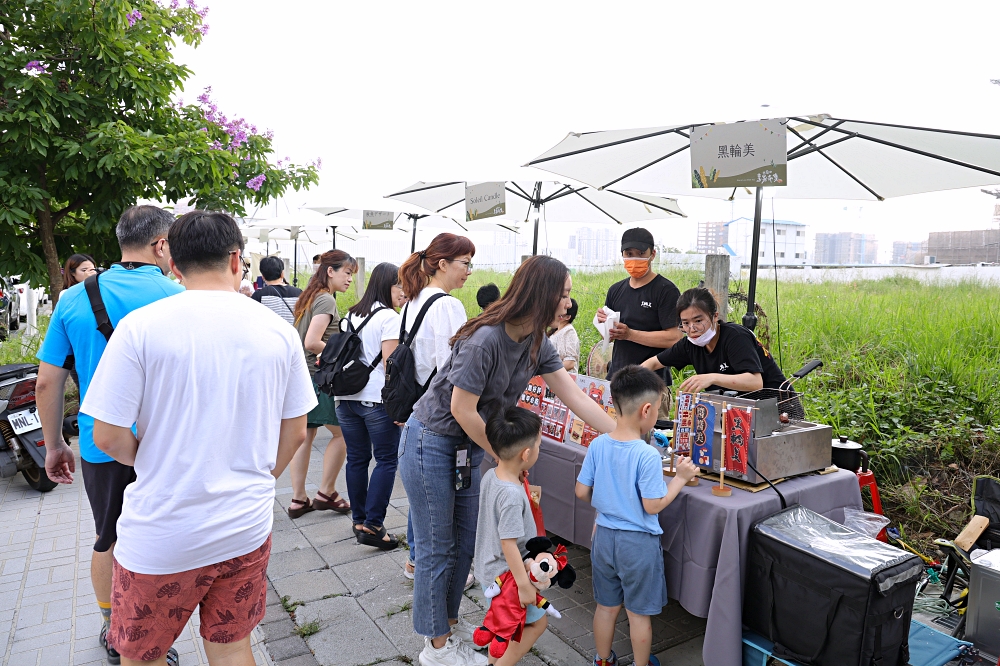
(704, 537)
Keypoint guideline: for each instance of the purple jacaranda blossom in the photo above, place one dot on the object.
(174, 4)
(268, 134)
(204, 29)
(255, 183)
(253, 129)
(204, 96)
(134, 17)
(192, 4)
(216, 145)
(36, 66)
(203, 12)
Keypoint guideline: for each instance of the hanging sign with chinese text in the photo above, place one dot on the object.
(748, 154)
(684, 427)
(704, 433)
(378, 219)
(737, 438)
(484, 200)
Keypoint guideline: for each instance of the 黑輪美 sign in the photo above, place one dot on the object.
(748, 154)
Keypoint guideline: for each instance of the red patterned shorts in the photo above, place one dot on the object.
(150, 611)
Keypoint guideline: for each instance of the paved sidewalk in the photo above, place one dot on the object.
(48, 614)
(352, 602)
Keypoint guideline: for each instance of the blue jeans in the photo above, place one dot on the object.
(444, 523)
(368, 430)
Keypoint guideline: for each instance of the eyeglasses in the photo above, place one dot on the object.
(695, 324)
(246, 269)
(468, 264)
(157, 242)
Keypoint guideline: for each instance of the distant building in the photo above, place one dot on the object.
(597, 246)
(782, 242)
(711, 237)
(964, 247)
(846, 247)
(908, 252)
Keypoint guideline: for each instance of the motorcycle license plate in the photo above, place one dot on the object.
(25, 421)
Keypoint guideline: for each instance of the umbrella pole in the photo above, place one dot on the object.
(413, 241)
(537, 203)
(750, 318)
(295, 262)
(334, 237)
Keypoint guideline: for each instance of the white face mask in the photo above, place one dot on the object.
(703, 339)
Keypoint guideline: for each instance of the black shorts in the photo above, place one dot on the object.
(105, 484)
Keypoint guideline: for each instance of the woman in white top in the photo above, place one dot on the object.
(444, 266)
(565, 339)
(367, 428)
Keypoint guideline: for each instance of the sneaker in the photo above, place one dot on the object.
(653, 661)
(113, 656)
(464, 629)
(470, 581)
(613, 661)
(454, 653)
(409, 569)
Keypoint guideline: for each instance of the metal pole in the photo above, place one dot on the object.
(334, 237)
(295, 259)
(413, 240)
(537, 203)
(750, 319)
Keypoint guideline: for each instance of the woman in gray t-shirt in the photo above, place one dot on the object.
(493, 357)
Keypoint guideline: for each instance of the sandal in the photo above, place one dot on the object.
(172, 658)
(333, 502)
(377, 539)
(357, 529)
(306, 507)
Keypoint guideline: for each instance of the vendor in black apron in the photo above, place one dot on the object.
(726, 356)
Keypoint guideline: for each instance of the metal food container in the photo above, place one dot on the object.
(983, 616)
(777, 450)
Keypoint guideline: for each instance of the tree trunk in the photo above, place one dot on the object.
(47, 228)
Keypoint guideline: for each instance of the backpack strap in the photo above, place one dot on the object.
(420, 316)
(97, 305)
(356, 331)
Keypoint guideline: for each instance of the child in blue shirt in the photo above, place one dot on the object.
(622, 477)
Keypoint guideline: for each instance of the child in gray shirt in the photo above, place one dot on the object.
(505, 519)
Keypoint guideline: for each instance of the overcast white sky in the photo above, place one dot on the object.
(388, 93)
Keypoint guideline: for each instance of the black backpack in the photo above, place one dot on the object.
(401, 389)
(341, 371)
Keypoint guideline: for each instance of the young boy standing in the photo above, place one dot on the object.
(505, 519)
(622, 477)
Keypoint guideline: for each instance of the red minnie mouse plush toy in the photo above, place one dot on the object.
(504, 621)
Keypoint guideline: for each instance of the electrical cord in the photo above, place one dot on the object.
(784, 504)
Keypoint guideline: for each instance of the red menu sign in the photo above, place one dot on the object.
(558, 422)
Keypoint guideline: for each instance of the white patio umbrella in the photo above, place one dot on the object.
(561, 203)
(828, 158)
(290, 227)
(425, 221)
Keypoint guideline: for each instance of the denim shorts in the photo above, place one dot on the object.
(628, 568)
(532, 613)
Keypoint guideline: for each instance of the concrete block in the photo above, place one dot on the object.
(282, 542)
(286, 648)
(369, 573)
(274, 631)
(399, 630)
(293, 562)
(347, 636)
(346, 551)
(327, 532)
(310, 585)
(301, 660)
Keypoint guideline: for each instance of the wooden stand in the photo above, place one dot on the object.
(721, 490)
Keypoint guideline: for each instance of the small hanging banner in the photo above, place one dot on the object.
(485, 200)
(737, 438)
(704, 433)
(685, 424)
(378, 219)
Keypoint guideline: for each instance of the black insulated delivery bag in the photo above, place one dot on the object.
(826, 595)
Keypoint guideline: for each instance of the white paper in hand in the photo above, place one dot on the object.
(605, 328)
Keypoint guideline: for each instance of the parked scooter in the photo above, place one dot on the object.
(22, 448)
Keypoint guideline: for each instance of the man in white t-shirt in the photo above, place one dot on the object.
(218, 417)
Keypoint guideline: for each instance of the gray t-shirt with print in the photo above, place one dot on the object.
(488, 364)
(504, 513)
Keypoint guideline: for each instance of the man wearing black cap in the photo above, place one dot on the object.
(647, 303)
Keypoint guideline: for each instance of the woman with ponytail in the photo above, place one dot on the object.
(492, 359)
(316, 318)
(444, 266)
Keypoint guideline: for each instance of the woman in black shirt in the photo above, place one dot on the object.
(726, 356)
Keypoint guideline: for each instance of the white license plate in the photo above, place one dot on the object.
(25, 421)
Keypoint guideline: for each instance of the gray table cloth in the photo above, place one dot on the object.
(704, 537)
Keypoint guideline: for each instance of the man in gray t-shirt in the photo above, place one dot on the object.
(504, 513)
